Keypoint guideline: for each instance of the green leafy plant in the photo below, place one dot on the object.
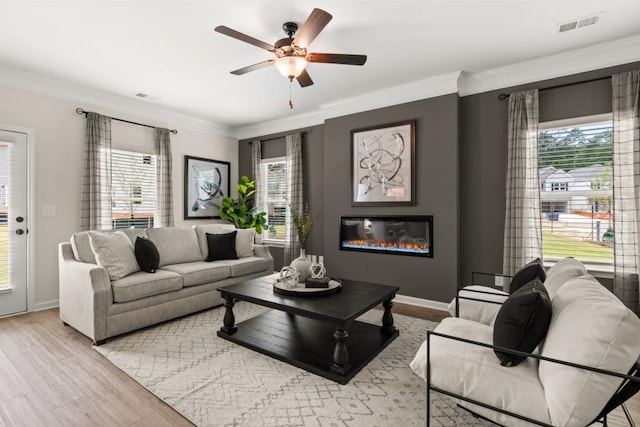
(303, 222)
(241, 211)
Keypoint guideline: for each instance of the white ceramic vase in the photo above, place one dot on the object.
(302, 264)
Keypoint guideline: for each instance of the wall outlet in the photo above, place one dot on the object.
(48, 210)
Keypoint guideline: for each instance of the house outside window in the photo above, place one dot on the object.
(274, 176)
(133, 186)
(576, 191)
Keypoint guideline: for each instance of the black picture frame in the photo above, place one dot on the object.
(383, 165)
(206, 183)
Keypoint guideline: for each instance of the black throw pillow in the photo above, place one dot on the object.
(522, 322)
(147, 255)
(526, 274)
(221, 246)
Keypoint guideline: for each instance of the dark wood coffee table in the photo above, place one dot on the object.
(318, 334)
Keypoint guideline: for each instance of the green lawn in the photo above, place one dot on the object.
(563, 246)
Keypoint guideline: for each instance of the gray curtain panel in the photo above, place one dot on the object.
(256, 169)
(626, 186)
(522, 225)
(95, 204)
(294, 195)
(164, 198)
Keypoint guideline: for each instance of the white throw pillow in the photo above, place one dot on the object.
(114, 252)
(244, 242)
(478, 311)
(561, 272)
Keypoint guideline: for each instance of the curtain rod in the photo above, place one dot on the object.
(276, 138)
(81, 111)
(504, 95)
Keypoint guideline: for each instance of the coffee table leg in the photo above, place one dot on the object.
(229, 321)
(387, 318)
(340, 352)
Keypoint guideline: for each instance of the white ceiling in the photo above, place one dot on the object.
(170, 51)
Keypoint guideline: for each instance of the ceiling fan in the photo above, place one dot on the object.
(291, 53)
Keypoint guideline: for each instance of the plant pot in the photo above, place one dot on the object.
(302, 264)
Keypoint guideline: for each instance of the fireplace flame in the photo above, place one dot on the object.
(377, 244)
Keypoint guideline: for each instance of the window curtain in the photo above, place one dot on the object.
(163, 216)
(256, 169)
(294, 195)
(522, 225)
(626, 186)
(96, 194)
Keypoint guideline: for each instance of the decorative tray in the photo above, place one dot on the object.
(301, 291)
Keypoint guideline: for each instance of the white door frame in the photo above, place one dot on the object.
(31, 145)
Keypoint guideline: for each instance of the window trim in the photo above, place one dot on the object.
(600, 269)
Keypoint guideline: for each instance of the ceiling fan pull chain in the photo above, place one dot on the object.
(290, 101)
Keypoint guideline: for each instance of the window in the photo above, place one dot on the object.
(274, 176)
(576, 192)
(133, 186)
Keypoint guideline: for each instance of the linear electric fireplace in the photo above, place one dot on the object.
(399, 235)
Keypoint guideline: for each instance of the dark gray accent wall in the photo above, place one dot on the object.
(436, 194)
(313, 172)
(483, 147)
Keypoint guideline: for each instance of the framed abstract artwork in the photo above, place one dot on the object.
(206, 183)
(383, 165)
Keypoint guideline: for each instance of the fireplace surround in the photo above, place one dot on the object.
(398, 235)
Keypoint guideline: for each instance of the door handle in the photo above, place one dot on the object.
(19, 231)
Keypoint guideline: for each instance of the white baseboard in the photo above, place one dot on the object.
(419, 302)
(39, 306)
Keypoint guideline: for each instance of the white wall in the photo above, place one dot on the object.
(59, 157)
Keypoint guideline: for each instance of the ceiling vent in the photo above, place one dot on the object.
(574, 24)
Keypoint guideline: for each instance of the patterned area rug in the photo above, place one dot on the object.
(214, 382)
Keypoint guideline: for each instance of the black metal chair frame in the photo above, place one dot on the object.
(473, 281)
(629, 386)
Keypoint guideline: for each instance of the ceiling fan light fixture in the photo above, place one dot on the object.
(291, 66)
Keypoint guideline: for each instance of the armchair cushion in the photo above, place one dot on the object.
(561, 272)
(479, 311)
(589, 326)
(526, 274)
(474, 371)
(522, 322)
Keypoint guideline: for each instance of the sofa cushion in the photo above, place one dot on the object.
(244, 266)
(478, 311)
(141, 284)
(176, 245)
(198, 273)
(244, 238)
(589, 326)
(203, 229)
(522, 322)
(221, 246)
(82, 248)
(526, 274)
(474, 371)
(561, 272)
(114, 252)
(147, 255)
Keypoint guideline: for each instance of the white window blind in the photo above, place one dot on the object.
(133, 182)
(576, 192)
(274, 177)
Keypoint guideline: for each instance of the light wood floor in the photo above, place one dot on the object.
(50, 376)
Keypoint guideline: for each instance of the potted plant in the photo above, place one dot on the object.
(241, 211)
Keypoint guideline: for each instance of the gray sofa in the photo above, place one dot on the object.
(184, 283)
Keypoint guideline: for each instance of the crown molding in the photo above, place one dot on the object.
(590, 58)
(298, 121)
(30, 82)
(414, 91)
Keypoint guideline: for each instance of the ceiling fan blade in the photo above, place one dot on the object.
(337, 58)
(317, 20)
(243, 37)
(304, 79)
(248, 69)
